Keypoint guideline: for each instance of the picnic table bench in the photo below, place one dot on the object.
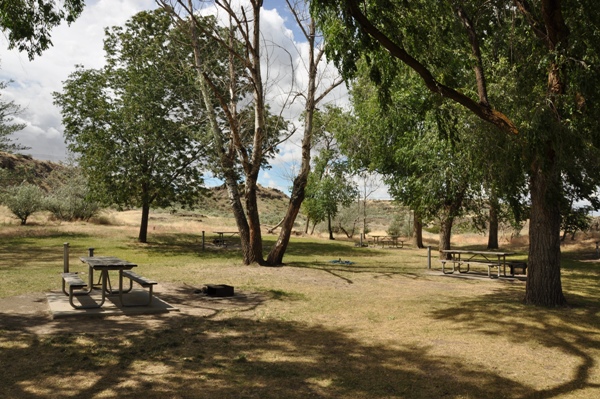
(143, 281)
(490, 259)
(75, 283)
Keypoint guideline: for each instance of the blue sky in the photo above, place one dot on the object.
(81, 43)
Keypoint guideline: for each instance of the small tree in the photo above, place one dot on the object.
(23, 200)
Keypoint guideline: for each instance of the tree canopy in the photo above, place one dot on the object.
(138, 124)
(29, 22)
(8, 110)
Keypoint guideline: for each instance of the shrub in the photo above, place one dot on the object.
(68, 199)
(23, 200)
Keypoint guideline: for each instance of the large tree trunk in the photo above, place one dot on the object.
(543, 271)
(445, 235)
(493, 224)
(418, 231)
(275, 257)
(254, 253)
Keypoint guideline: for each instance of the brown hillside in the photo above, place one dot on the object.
(39, 170)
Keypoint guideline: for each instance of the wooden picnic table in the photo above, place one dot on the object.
(490, 259)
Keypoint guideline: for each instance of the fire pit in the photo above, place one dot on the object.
(220, 290)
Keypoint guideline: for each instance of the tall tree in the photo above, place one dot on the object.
(533, 66)
(239, 160)
(242, 41)
(420, 145)
(29, 22)
(137, 123)
(317, 89)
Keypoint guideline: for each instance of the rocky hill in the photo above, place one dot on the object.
(28, 168)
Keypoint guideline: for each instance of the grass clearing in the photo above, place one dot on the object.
(381, 327)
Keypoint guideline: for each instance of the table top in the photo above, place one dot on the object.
(107, 263)
(225, 232)
(468, 251)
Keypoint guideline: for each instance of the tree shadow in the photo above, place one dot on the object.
(194, 357)
(218, 352)
(559, 328)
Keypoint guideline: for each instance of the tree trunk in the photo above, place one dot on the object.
(275, 257)
(254, 253)
(493, 224)
(234, 195)
(329, 227)
(143, 236)
(418, 231)
(445, 235)
(543, 271)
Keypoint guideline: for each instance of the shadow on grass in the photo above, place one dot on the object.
(574, 334)
(191, 244)
(345, 271)
(21, 251)
(194, 357)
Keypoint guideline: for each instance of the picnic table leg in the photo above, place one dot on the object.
(104, 275)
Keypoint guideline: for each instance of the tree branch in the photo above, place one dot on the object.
(485, 112)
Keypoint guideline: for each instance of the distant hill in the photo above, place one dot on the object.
(39, 170)
(14, 161)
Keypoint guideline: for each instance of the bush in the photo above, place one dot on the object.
(68, 199)
(23, 200)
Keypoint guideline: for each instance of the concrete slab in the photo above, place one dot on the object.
(60, 306)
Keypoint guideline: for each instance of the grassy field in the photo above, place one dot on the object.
(381, 327)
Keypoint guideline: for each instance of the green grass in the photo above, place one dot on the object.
(380, 327)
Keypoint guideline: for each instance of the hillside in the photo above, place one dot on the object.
(39, 170)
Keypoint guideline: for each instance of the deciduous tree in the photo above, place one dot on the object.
(137, 123)
(8, 110)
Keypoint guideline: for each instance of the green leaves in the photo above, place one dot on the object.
(29, 22)
(138, 124)
(8, 110)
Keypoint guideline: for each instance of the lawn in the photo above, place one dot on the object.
(381, 327)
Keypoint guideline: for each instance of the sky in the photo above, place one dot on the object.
(81, 43)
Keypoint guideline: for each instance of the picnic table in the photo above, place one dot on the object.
(391, 241)
(104, 264)
(491, 259)
(221, 242)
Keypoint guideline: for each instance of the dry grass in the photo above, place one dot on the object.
(381, 327)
